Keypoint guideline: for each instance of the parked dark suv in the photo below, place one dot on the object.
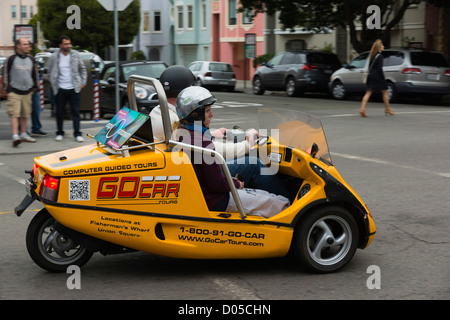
(407, 72)
(296, 72)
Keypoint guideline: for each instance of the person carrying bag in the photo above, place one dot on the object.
(366, 74)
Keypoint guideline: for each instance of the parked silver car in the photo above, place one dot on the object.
(407, 72)
(296, 71)
(213, 74)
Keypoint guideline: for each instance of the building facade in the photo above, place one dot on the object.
(13, 12)
(228, 33)
(175, 31)
(155, 38)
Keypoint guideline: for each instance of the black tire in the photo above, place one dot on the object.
(198, 82)
(49, 249)
(326, 239)
(392, 92)
(338, 91)
(291, 87)
(258, 87)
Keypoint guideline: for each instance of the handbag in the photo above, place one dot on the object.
(366, 74)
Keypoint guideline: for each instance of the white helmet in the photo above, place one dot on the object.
(193, 98)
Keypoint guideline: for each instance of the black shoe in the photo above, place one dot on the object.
(39, 134)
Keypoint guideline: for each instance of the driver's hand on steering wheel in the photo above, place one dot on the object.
(219, 133)
(251, 135)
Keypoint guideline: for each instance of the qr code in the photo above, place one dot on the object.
(79, 189)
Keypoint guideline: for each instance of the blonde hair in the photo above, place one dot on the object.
(375, 48)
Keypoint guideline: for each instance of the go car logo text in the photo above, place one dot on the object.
(138, 187)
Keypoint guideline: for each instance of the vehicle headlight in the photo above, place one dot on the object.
(140, 92)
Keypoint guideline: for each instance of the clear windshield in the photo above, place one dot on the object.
(295, 129)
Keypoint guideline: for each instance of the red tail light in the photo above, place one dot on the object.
(309, 67)
(412, 71)
(234, 76)
(447, 73)
(49, 188)
(208, 74)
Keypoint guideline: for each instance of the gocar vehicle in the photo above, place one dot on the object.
(127, 191)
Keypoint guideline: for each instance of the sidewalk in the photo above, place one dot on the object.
(46, 144)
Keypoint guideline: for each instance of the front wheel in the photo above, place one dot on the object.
(326, 239)
(338, 90)
(50, 249)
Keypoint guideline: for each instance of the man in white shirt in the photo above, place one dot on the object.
(67, 77)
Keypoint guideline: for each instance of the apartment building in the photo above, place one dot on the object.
(175, 31)
(13, 12)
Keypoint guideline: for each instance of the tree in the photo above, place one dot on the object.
(96, 30)
(319, 15)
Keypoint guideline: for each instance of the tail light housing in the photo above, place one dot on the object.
(49, 188)
(447, 73)
(310, 67)
(412, 71)
(208, 74)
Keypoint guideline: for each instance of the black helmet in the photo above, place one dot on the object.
(176, 78)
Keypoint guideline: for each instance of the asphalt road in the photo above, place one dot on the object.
(399, 166)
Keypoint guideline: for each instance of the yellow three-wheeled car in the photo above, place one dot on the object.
(128, 191)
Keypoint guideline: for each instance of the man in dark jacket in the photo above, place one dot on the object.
(21, 81)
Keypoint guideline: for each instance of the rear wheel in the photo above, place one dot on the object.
(326, 239)
(258, 87)
(392, 93)
(50, 249)
(291, 87)
(198, 82)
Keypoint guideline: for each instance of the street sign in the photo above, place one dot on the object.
(24, 31)
(109, 4)
(116, 6)
(250, 45)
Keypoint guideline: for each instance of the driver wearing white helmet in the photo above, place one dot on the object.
(194, 112)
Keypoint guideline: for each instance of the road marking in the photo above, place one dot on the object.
(5, 212)
(383, 162)
(11, 176)
(233, 289)
(235, 104)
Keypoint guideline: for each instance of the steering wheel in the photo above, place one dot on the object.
(262, 140)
